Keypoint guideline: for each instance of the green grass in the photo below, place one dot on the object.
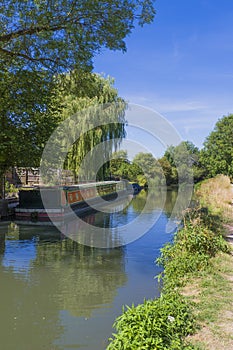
(216, 290)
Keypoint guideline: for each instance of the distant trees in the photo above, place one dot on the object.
(169, 169)
(217, 153)
(144, 168)
(215, 158)
(119, 165)
(182, 163)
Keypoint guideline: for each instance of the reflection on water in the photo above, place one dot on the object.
(58, 294)
(85, 277)
(136, 218)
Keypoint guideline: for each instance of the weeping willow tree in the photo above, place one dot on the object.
(100, 120)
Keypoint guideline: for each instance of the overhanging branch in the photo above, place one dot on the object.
(27, 57)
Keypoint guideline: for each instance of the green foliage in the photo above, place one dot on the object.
(10, 189)
(144, 169)
(27, 117)
(121, 167)
(141, 180)
(156, 324)
(62, 35)
(30, 113)
(169, 171)
(217, 154)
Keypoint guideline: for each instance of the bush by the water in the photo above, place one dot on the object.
(193, 246)
(158, 324)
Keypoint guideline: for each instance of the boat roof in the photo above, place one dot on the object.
(74, 186)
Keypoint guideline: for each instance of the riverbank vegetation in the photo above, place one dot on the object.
(195, 288)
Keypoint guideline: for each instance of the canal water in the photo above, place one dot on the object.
(57, 294)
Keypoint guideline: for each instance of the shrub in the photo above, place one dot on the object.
(192, 249)
(11, 190)
(156, 324)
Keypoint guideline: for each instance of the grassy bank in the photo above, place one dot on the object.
(217, 195)
(196, 283)
(214, 288)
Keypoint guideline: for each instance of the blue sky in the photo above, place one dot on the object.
(181, 65)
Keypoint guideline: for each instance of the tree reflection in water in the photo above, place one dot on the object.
(61, 275)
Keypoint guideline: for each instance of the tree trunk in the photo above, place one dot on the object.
(2, 185)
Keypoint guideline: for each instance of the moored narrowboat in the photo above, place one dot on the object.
(54, 202)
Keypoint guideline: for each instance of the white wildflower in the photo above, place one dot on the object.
(171, 318)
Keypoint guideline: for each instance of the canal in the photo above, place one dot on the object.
(57, 294)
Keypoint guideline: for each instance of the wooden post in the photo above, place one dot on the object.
(26, 176)
(4, 186)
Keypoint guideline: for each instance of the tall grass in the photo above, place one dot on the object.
(217, 195)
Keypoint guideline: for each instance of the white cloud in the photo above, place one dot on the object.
(193, 118)
(163, 105)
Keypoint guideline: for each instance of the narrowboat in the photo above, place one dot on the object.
(48, 203)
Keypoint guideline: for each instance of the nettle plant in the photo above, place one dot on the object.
(192, 248)
(162, 323)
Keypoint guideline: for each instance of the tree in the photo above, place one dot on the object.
(60, 35)
(184, 161)
(81, 92)
(150, 167)
(27, 117)
(121, 167)
(167, 170)
(217, 153)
